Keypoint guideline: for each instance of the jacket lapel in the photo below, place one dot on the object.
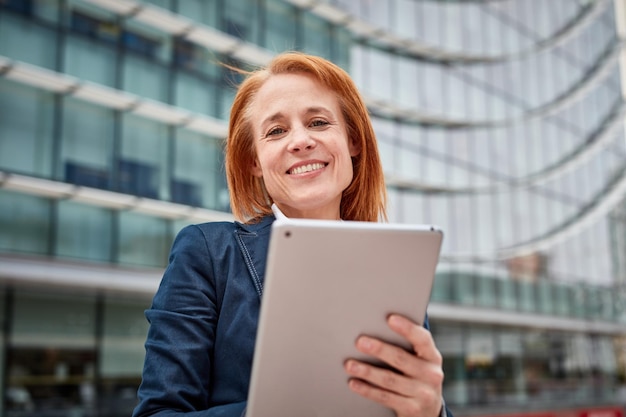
(253, 241)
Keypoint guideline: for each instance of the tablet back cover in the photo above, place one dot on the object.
(326, 283)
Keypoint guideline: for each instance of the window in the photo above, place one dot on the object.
(87, 144)
(194, 93)
(121, 355)
(24, 7)
(94, 27)
(137, 178)
(52, 361)
(240, 19)
(24, 223)
(142, 167)
(26, 127)
(280, 35)
(139, 43)
(83, 231)
(144, 240)
(198, 176)
(23, 39)
(109, 31)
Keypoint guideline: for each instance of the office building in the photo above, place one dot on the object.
(500, 121)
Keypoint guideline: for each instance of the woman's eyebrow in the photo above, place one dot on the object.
(317, 109)
(310, 110)
(272, 118)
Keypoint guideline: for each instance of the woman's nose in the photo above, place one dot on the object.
(300, 139)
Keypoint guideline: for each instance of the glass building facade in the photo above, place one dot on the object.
(500, 121)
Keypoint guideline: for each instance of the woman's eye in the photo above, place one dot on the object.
(275, 131)
(319, 122)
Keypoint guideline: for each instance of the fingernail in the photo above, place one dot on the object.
(365, 343)
(354, 367)
(395, 320)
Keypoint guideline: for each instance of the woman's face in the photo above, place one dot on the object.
(303, 153)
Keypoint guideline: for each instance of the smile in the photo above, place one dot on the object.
(306, 168)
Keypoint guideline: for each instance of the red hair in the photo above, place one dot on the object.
(365, 198)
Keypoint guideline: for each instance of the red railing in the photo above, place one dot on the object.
(581, 412)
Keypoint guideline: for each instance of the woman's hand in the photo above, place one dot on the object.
(416, 388)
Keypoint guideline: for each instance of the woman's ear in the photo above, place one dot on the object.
(354, 147)
(255, 169)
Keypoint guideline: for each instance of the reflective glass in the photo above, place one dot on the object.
(124, 331)
(83, 231)
(203, 11)
(24, 40)
(342, 44)
(145, 77)
(90, 59)
(507, 297)
(404, 14)
(87, 144)
(47, 10)
(380, 84)
(144, 240)
(480, 353)
(316, 39)
(52, 361)
(24, 223)
(195, 94)
(143, 165)
(280, 28)
(486, 291)
(26, 129)
(239, 19)
(198, 173)
(408, 80)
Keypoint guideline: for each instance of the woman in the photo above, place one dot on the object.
(301, 145)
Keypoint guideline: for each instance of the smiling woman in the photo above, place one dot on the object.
(300, 144)
(303, 153)
(328, 102)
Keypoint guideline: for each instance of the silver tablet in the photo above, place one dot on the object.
(326, 283)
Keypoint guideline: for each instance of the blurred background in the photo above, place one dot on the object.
(501, 121)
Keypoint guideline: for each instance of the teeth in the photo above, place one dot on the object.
(307, 168)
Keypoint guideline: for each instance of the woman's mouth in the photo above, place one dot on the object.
(306, 168)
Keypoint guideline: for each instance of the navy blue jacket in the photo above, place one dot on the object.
(203, 322)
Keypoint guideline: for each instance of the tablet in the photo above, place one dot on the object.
(326, 283)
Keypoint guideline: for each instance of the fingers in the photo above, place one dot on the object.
(406, 396)
(414, 387)
(420, 338)
(428, 405)
(407, 363)
(389, 380)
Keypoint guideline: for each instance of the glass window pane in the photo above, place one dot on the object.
(121, 355)
(83, 231)
(280, 34)
(198, 173)
(317, 39)
(26, 128)
(203, 11)
(70, 321)
(87, 144)
(145, 78)
(240, 19)
(143, 240)
(24, 40)
(195, 94)
(90, 59)
(24, 222)
(52, 361)
(142, 166)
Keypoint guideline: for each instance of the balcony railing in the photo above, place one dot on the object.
(543, 297)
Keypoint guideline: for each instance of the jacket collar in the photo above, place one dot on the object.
(253, 241)
(255, 227)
